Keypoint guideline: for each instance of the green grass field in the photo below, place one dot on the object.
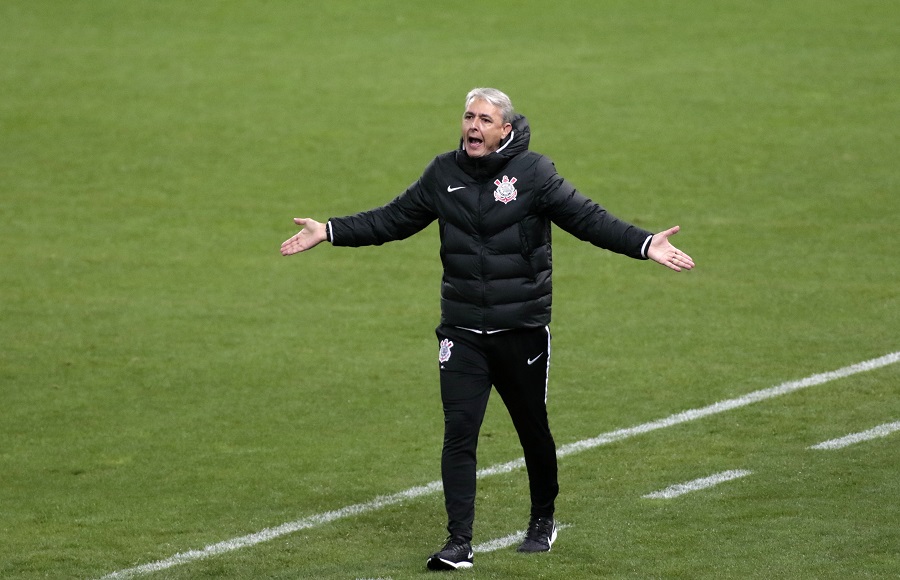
(170, 382)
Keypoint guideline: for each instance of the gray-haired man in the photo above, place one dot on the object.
(494, 201)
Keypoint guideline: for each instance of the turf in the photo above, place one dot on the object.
(170, 381)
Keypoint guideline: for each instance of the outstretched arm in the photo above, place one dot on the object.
(663, 252)
(312, 234)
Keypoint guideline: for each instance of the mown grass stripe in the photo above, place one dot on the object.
(436, 486)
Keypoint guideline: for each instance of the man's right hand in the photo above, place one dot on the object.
(312, 234)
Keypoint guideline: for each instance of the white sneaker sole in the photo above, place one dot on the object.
(441, 564)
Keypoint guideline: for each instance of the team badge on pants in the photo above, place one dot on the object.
(444, 354)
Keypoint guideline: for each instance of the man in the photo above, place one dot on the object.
(494, 201)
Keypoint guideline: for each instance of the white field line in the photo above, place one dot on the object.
(715, 408)
(880, 431)
(435, 486)
(697, 484)
(499, 543)
(282, 530)
(506, 541)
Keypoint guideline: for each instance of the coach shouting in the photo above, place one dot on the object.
(494, 201)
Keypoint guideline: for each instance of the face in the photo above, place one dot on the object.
(483, 128)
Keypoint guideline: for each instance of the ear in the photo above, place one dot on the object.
(506, 129)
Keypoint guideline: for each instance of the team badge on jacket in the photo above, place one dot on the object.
(444, 354)
(505, 191)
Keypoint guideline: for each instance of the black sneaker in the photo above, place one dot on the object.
(456, 555)
(540, 535)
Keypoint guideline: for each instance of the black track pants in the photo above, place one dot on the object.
(516, 363)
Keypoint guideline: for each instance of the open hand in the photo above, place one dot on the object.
(312, 234)
(663, 252)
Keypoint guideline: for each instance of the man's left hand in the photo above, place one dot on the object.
(663, 252)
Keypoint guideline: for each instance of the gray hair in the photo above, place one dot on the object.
(495, 97)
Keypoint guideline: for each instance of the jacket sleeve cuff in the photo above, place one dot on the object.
(646, 247)
(329, 232)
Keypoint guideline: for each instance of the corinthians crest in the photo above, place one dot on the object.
(444, 354)
(505, 191)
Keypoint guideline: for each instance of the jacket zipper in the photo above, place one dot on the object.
(482, 276)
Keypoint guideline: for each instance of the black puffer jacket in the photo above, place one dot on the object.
(494, 214)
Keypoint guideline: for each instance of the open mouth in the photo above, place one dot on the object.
(474, 142)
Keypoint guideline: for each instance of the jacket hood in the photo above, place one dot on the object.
(516, 142)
